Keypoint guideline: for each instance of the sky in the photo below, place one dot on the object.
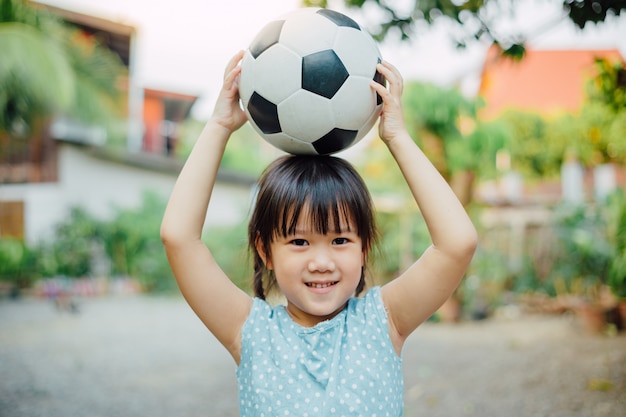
(183, 46)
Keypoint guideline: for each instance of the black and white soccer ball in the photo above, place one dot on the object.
(305, 82)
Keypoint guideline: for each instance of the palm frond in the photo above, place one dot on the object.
(34, 72)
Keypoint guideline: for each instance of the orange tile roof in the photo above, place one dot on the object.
(547, 81)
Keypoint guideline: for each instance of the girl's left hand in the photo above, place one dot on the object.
(392, 118)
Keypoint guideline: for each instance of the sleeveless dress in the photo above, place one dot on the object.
(345, 366)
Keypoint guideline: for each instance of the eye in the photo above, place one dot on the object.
(340, 241)
(299, 242)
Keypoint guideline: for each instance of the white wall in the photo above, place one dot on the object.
(99, 186)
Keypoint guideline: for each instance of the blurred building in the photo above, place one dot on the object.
(69, 166)
(544, 81)
(550, 83)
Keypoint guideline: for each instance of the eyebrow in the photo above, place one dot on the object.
(300, 231)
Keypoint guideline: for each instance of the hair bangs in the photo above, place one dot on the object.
(320, 208)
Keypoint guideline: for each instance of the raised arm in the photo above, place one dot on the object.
(221, 305)
(426, 285)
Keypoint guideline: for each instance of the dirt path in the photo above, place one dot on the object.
(144, 356)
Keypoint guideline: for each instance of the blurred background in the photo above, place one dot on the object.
(521, 105)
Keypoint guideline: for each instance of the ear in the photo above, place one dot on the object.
(258, 244)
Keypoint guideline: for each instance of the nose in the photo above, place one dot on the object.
(321, 261)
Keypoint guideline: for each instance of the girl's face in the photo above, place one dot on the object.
(317, 272)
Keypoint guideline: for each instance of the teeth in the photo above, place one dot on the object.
(316, 285)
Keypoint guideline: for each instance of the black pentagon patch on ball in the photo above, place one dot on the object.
(267, 37)
(264, 113)
(334, 141)
(323, 73)
(339, 19)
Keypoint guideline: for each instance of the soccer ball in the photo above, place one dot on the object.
(305, 82)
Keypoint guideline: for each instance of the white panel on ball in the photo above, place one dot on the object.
(354, 103)
(274, 85)
(297, 33)
(367, 126)
(306, 116)
(361, 61)
(289, 144)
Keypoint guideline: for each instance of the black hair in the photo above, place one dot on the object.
(327, 187)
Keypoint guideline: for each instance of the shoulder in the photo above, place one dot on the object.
(263, 316)
(261, 310)
(369, 307)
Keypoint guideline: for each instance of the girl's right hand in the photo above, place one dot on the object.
(228, 112)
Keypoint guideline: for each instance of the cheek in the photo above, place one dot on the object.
(355, 262)
(286, 263)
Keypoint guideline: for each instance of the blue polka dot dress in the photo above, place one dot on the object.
(345, 366)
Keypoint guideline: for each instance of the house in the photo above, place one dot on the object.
(100, 181)
(67, 166)
(544, 81)
(548, 82)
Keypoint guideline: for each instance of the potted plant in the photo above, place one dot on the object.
(583, 257)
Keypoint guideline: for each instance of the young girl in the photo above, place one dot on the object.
(326, 352)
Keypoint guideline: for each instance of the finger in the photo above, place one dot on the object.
(231, 77)
(234, 61)
(380, 89)
(388, 94)
(392, 75)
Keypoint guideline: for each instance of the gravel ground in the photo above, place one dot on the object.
(147, 356)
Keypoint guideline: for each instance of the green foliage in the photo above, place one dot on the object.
(130, 243)
(243, 153)
(516, 51)
(403, 238)
(487, 279)
(616, 225)
(229, 246)
(133, 244)
(436, 109)
(579, 252)
(538, 145)
(445, 125)
(96, 70)
(581, 12)
(380, 172)
(31, 84)
(616, 146)
(73, 243)
(609, 85)
(434, 116)
(583, 252)
(477, 20)
(477, 151)
(11, 256)
(532, 153)
(47, 69)
(586, 250)
(17, 262)
(597, 126)
(427, 11)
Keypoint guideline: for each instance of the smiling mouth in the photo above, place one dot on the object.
(320, 285)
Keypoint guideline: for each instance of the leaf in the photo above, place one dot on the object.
(37, 64)
(597, 384)
(516, 52)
